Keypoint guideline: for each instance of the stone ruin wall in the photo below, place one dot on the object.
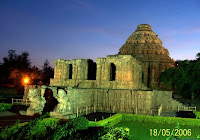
(128, 73)
(117, 100)
(122, 100)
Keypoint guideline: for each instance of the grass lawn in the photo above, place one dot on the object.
(141, 131)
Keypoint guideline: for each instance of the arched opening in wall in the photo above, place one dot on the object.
(92, 70)
(70, 71)
(112, 72)
(51, 101)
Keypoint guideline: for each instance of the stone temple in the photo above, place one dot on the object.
(125, 82)
(145, 46)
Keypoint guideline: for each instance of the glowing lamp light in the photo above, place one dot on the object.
(26, 80)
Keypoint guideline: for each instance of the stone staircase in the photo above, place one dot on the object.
(177, 103)
(170, 103)
(170, 106)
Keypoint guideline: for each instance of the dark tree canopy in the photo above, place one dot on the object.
(14, 61)
(17, 66)
(184, 78)
(47, 72)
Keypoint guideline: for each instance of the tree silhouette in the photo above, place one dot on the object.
(184, 78)
(47, 72)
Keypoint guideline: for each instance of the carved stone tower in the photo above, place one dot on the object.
(146, 47)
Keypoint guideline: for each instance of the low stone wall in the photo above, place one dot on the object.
(117, 100)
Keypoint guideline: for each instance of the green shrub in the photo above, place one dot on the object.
(39, 129)
(108, 122)
(104, 130)
(11, 130)
(5, 107)
(197, 114)
(117, 134)
(70, 128)
(60, 132)
(44, 128)
(80, 123)
(30, 130)
(162, 120)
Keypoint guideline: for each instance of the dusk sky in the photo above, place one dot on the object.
(87, 29)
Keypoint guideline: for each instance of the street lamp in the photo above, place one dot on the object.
(26, 80)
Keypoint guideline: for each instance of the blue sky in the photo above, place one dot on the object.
(74, 29)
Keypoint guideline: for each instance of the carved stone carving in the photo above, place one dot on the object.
(63, 107)
(36, 105)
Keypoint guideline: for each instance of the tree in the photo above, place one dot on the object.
(184, 78)
(13, 68)
(198, 55)
(16, 67)
(167, 78)
(14, 62)
(47, 72)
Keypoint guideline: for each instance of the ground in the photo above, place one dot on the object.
(9, 120)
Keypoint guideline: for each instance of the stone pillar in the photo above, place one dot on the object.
(74, 69)
(118, 71)
(82, 69)
(60, 71)
(65, 70)
(107, 71)
(56, 70)
(79, 72)
(85, 69)
(98, 76)
(99, 71)
(103, 69)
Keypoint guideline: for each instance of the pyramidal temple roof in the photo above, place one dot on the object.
(144, 42)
